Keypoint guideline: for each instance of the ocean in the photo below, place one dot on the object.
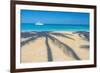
(54, 27)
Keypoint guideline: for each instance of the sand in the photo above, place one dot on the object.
(36, 51)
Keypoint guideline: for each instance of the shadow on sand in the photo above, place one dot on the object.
(48, 35)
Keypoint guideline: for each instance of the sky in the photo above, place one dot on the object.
(54, 17)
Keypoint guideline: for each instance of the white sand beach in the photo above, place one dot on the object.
(36, 51)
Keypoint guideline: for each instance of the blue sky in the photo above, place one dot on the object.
(53, 17)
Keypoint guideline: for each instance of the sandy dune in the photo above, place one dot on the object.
(36, 51)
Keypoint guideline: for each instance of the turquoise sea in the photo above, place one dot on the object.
(54, 27)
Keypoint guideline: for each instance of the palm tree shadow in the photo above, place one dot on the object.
(29, 40)
(66, 49)
(85, 47)
(49, 53)
(84, 34)
(27, 34)
(48, 35)
(62, 35)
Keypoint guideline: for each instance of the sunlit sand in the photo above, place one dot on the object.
(36, 51)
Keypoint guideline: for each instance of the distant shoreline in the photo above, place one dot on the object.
(54, 30)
